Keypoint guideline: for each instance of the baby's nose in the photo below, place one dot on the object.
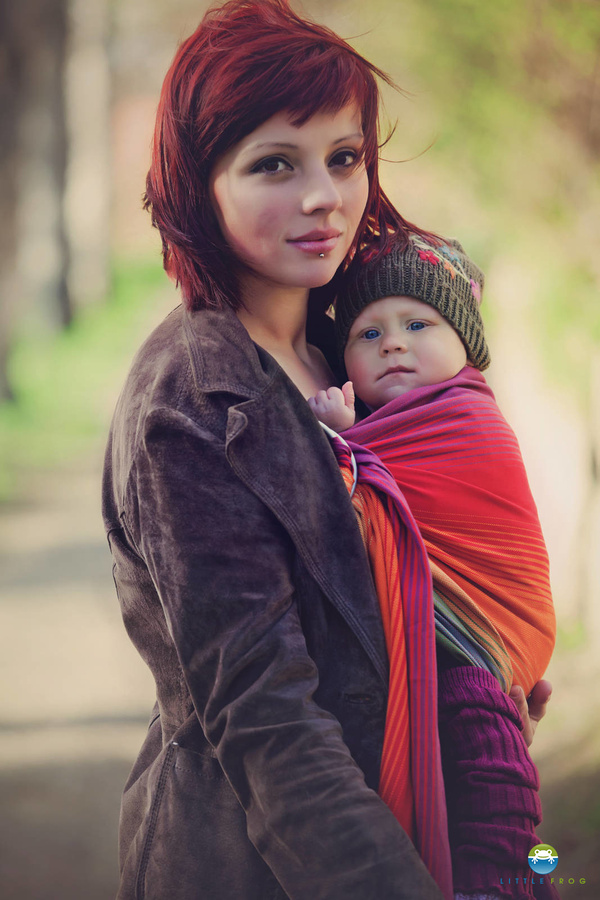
(394, 343)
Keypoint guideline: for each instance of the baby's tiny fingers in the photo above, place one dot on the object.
(334, 393)
(348, 394)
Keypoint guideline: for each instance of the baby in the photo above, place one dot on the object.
(410, 333)
(398, 327)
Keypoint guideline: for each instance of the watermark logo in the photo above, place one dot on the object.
(543, 859)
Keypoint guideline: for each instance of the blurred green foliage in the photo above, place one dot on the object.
(67, 384)
(570, 636)
(508, 94)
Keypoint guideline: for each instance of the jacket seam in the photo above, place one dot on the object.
(134, 458)
(184, 382)
(185, 378)
(127, 531)
(160, 789)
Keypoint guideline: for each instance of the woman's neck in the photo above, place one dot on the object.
(275, 319)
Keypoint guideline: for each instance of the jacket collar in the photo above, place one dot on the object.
(224, 357)
(277, 448)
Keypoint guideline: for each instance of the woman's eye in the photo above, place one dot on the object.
(370, 334)
(417, 326)
(345, 159)
(272, 166)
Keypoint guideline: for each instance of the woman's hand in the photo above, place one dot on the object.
(334, 407)
(532, 708)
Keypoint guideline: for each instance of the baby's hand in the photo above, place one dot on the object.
(334, 407)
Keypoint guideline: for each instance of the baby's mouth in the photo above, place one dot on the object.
(394, 369)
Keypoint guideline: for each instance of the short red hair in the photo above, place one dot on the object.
(247, 61)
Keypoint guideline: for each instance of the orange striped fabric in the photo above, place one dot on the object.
(395, 783)
(411, 781)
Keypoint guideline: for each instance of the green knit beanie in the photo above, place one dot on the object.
(444, 277)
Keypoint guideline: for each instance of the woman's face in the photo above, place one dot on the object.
(289, 199)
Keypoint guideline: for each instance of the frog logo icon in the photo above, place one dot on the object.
(542, 859)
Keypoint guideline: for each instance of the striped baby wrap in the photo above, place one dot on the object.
(459, 468)
(411, 781)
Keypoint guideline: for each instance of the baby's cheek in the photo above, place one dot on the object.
(357, 374)
(349, 364)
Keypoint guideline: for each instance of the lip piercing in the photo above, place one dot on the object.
(322, 255)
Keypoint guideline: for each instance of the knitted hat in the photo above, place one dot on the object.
(444, 277)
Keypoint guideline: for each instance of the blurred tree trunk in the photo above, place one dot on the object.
(10, 94)
(88, 194)
(34, 254)
(42, 243)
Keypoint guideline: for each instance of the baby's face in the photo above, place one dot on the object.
(397, 344)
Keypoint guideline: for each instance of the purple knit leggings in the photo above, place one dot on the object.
(491, 788)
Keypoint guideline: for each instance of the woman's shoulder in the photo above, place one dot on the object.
(196, 364)
(210, 350)
(159, 368)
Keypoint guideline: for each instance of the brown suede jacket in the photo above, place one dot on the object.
(245, 587)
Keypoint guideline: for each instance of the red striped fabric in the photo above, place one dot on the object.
(458, 465)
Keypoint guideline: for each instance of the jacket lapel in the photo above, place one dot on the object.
(278, 449)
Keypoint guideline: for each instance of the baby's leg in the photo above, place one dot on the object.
(491, 787)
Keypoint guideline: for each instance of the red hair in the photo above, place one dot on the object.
(247, 61)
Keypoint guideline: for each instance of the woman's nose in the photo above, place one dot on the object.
(321, 193)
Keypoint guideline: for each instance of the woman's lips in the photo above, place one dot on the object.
(316, 242)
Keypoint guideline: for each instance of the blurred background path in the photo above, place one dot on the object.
(76, 698)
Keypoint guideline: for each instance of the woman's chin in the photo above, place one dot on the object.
(308, 280)
(313, 273)
(322, 273)
(320, 282)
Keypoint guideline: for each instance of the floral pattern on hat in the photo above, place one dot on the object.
(450, 268)
(429, 256)
(442, 254)
(476, 288)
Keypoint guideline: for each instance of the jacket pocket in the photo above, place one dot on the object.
(196, 845)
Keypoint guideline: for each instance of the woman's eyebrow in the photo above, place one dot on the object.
(349, 137)
(289, 146)
(280, 144)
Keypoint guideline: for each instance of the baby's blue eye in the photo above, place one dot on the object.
(417, 326)
(370, 334)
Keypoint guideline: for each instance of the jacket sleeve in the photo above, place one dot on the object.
(221, 564)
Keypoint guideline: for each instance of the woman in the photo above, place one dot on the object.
(238, 563)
